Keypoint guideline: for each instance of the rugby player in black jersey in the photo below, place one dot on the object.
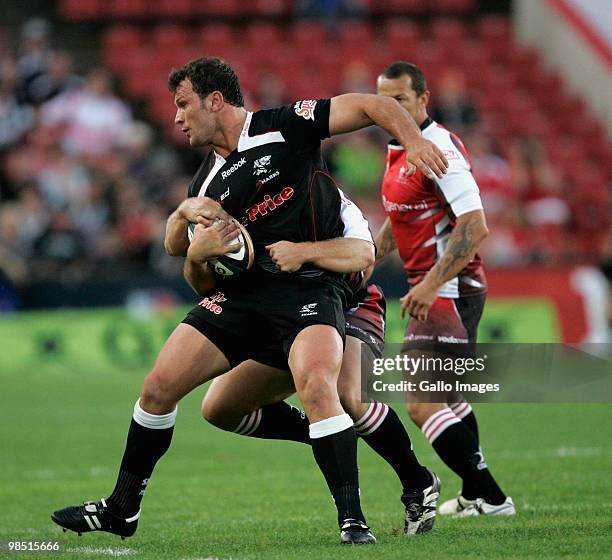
(302, 312)
(249, 400)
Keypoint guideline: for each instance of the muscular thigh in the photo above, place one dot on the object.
(186, 360)
(352, 381)
(247, 387)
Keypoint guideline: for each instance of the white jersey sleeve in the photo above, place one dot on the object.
(355, 224)
(458, 185)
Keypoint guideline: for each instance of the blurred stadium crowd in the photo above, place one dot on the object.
(85, 186)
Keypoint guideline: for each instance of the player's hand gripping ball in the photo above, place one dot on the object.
(232, 264)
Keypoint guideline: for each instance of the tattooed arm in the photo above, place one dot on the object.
(385, 242)
(469, 231)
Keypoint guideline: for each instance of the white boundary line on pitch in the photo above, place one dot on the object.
(562, 507)
(557, 453)
(108, 551)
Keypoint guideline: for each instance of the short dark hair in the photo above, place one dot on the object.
(208, 74)
(402, 68)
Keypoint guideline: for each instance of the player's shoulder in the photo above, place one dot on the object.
(451, 145)
(277, 118)
(437, 133)
(262, 121)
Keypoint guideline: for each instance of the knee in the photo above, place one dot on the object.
(419, 413)
(213, 414)
(209, 412)
(350, 399)
(220, 414)
(318, 389)
(158, 393)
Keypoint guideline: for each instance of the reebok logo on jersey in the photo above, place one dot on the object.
(224, 195)
(269, 204)
(259, 165)
(308, 310)
(212, 303)
(233, 168)
(305, 109)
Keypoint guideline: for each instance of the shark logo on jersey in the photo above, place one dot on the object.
(260, 165)
(308, 310)
(305, 109)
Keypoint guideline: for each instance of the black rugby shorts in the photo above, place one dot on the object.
(260, 320)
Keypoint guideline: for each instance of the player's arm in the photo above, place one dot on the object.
(199, 277)
(338, 255)
(207, 243)
(197, 210)
(353, 111)
(469, 232)
(385, 242)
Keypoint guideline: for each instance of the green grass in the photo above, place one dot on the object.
(217, 495)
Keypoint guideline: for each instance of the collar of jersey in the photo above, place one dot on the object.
(243, 132)
(425, 124)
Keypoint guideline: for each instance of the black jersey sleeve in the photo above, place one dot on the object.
(304, 123)
(200, 175)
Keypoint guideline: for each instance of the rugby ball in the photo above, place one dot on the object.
(232, 264)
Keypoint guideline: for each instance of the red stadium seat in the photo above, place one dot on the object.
(162, 110)
(476, 63)
(450, 32)
(228, 8)
(308, 35)
(118, 42)
(217, 36)
(82, 9)
(263, 34)
(143, 72)
(272, 7)
(454, 6)
(402, 30)
(401, 6)
(170, 37)
(355, 32)
(176, 8)
(494, 32)
(494, 28)
(133, 9)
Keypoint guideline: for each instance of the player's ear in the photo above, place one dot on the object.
(216, 101)
(424, 98)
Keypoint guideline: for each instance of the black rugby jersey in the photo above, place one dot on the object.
(276, 182)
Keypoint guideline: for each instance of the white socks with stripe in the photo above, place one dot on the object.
(249, 423)
(330, 426)
(372, 419)
(334, 446)
(148, 439)
(461, 409)
(154, 421)
(438, 422)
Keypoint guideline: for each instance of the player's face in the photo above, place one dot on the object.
(401, 90)
(193, 115)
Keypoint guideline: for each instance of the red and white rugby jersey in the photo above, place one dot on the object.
(423, 211)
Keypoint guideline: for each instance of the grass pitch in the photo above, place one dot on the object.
(217, 495)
